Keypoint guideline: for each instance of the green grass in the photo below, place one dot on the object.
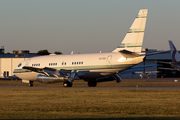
(89, 104)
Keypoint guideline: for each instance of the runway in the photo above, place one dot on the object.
(139, 88)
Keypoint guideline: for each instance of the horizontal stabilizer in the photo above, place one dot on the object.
(154, 53)
(163, 62)
(176, 63)
(167, 68)
(129, 54)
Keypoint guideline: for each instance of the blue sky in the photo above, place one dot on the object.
(84, 26)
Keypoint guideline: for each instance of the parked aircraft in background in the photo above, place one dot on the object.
(13, 77)
(147, 74)
(137, 68)
(175, 64)
(93, 68)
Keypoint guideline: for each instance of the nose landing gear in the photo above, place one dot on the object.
(30, 83)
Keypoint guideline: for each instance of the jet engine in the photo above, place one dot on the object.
(46, 79)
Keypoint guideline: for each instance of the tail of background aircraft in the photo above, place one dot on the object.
(174, 53)
(4, 75)
(134, 37)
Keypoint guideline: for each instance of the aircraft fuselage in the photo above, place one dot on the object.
(88, 66)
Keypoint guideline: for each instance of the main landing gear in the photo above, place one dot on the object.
(67, 84)
(92, 83)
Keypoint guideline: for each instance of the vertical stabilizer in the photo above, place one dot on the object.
(134, 37)
(174, 53)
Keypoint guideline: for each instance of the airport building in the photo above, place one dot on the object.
(9, 61)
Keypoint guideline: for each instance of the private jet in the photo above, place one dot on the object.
(92, 67)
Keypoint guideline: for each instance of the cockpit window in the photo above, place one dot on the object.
(19, 65)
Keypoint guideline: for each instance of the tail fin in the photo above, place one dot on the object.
(134, 37)
(174, 53)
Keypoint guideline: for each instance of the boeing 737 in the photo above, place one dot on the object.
(92, 67)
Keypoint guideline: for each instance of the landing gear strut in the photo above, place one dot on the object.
(67, 84)
(30, 83)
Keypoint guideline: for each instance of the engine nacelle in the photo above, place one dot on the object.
(110, 78)
(104, 79)
(46, 79)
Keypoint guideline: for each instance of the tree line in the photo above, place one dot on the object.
(46, 52)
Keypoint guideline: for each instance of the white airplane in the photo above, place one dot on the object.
(175, 64)
(94, 67)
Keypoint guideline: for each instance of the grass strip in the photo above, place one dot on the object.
(89, 104)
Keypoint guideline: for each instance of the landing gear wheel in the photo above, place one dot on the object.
(67, 84)
(92, 83)
(30, 83)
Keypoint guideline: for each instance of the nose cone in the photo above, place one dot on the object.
(21, 73)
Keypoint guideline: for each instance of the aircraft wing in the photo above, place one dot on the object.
(51, 75)
(50, 72)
